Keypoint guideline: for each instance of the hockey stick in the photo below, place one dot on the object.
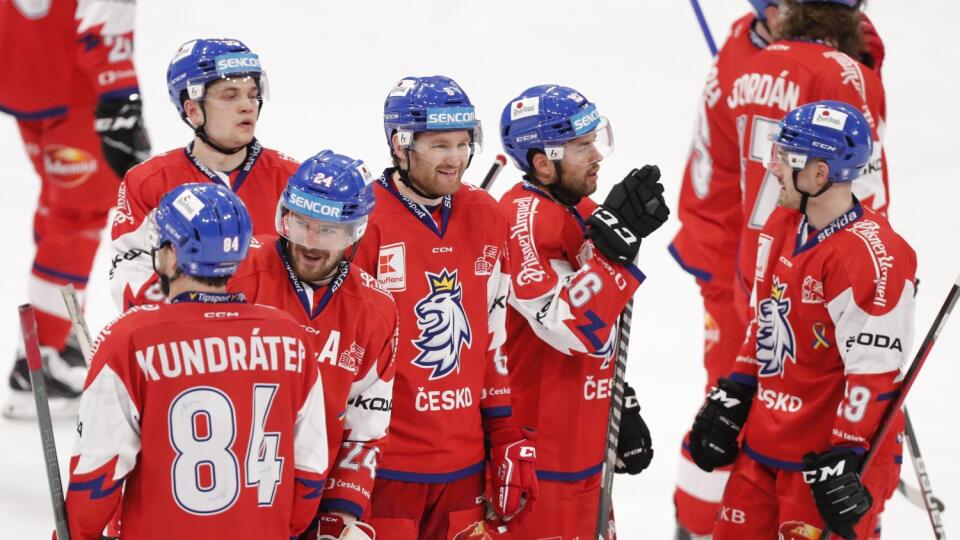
(28, 325)
(932, 504)
(494, 172)
(69, 294)
(886, 422)
(712, 45)
(613, 425)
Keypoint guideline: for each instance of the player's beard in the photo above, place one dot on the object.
(313, 265)
(570, 189)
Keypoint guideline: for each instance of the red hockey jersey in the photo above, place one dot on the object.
(446, 270)
(258, 182)
(57, 54)
(210, 415)
(355, 357)
(779, 78)
(833, 325)
(561, 330)
(709, 207)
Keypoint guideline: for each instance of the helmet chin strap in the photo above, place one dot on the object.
(405, 179)
(804, 196)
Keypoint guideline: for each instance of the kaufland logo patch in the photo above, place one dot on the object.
(66, 166)
(391, 267)
(831, 118)
(451, 118)
(525, 107)
(237, 63)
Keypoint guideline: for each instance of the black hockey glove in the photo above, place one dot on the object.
(634, 208)
(713, 438)
(634, 447)
(123, 137)
(841, 497)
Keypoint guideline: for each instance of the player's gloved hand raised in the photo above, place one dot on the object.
(841, 497)
(123, 137)
(512, 476)
(334, 527)
(634, 447)
(634, 208)
(713, 438)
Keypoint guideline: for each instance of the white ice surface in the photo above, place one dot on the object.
(643, 62)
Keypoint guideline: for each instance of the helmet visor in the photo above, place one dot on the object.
(780, 154)
(229, 91)
(313, 233)
(589, 148)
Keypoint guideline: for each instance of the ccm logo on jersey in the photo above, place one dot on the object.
(875, 340)
(391, 267)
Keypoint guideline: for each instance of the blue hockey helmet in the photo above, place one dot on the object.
(546, 118)
(437, 103)
(206, 224)
(200, 62)
(832, 131)
(326, 202)
(761, 5)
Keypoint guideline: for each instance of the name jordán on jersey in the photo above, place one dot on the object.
(763, 89)
(216, 354)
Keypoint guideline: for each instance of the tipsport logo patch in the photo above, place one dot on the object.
(68, 167)
(451, 118)
(776, 340)
(443, 323)
(228, 64)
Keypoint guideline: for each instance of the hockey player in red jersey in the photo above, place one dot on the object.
(833, 322)
(439, 246)
(706, 245)
(306, 272)
(567, 293)
(68, 79)
(710, 207)
(207, 412)
(813, 60)
(218, 87)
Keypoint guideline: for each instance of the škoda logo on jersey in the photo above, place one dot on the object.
(775, 337)
(68, 167)
(443, 323)
(391, 267)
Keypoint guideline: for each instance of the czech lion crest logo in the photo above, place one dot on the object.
(775, 337)
(443, 323)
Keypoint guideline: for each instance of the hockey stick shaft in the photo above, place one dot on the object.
(911, 376)
(704, 27)
(494, 172)
(932, 505)
(886, 422)
(28, 325)
(72, 301)
(613, 425)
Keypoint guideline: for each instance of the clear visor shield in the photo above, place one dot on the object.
(230, 91)
(783, 155)
(313, 233)
(586, 149)
(444, 146)
(152, 232)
